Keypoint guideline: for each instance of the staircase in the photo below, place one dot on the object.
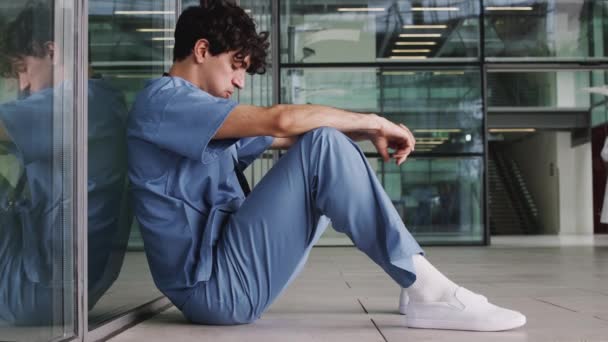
(512, 208)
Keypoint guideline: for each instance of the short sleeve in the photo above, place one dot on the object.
(248, 149)
(189, 121)
(29, 124)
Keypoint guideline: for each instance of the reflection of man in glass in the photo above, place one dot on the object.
(423, 215)
(222, 257)
(31, 249)
(448, 200)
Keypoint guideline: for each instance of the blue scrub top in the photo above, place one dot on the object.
(183, 183)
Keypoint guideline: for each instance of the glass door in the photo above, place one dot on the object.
(37, 182)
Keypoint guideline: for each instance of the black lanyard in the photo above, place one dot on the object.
(242, 179)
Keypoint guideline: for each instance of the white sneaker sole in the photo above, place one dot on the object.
(468, 326)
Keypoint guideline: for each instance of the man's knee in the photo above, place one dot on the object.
(325, 132)
(328, 137)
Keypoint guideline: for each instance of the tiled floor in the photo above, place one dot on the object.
(561, 285)
(133, 287)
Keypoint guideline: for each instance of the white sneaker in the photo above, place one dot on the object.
(465, 310)
(403, 300)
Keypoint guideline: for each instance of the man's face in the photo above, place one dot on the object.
(221, 74)
(34, 73)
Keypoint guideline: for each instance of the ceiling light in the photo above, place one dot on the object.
(430, 142)
(439, 130)
(419, 35)
(133, 76)
(361, 9)
(435, 8)
(512, 130)
(431, 138)
(448, 73)
(163, 38)
(398, 73)
(507, 8)
(144, 12)
(425, 26)
(415, 43)
(407, 57)
(153, 30)
(410, 50)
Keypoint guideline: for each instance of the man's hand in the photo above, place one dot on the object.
(396, 137)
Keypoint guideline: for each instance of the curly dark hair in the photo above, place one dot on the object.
(227, 28)
(27, 35)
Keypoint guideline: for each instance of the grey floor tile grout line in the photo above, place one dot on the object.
(559, 306)
(601, 319)
(362, 306)
(379, 331)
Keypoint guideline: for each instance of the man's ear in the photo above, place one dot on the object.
(201, 50)
(49, 48)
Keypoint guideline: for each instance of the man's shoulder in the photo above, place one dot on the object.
(156, 90)
(160, 92)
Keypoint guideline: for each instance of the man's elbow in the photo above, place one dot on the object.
(282, 123)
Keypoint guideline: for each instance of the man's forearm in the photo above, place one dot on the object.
(298, 119)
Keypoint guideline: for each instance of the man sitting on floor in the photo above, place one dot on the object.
(223, 257)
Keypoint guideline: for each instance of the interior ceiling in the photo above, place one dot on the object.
(502, 26)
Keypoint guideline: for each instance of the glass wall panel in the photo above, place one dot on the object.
(439, 199)
(37, 264)
(442, 107)
(555, 89)
(130, 43)
(546, 29)
(339, 31)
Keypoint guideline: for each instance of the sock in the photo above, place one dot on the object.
(430, 285)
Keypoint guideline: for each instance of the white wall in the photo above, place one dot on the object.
(575, 186)
(573, 164)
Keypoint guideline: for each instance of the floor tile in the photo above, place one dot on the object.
(342, 296)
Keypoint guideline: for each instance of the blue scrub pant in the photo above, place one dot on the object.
(267, 241)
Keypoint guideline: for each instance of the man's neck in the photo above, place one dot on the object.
(186, 71)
